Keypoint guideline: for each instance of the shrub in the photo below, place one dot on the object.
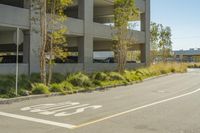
(173, 70)
(55, 87)
(24, 82)
(116, 76)
(57, 77)
(35, 78)
(69, 88)
(7, 83)
(23, 92)
(100, 76)
(132, 76)
(39, 88)
(79, 79)
(144, 73)
(163, 71)
(97, 83)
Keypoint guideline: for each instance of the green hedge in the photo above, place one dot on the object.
(75, 82)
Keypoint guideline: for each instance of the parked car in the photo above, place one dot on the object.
(110, 60)
(68, 59)
(11, 59)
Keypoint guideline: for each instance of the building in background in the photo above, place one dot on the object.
(191, 55)
(89, 33)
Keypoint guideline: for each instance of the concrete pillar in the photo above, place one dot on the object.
(35, 36)
(27, 4)
(145, 26)
(85, 43)
(26, 47)
(143, 53)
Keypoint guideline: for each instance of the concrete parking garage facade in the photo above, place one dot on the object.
(87, 33)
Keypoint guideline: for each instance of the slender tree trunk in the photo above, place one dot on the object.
(50, 67)
(43, 24)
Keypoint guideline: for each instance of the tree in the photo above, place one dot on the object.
(43, 26)
(56, 36)
(124, 11)
(161, 44)
(165, 43)
(53, 35)
(154, 40)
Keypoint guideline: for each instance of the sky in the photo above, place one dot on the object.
(183, 16)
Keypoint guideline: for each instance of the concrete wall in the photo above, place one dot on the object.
(14, 17)
(112, 67)
(11, 68)
(6, 37)
(75, 26)
(68, 68)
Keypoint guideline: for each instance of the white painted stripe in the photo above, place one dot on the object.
(64, 106)
(44, 106)
(68, 126)
(42, 110)
(135, 109)
(64, 109)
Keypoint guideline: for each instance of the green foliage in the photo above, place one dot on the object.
(111, 83)
(79, 79)
(24, 82)
(160, 41)
(53, 34)
(57, 77)
(56, 87)
(39, 88)
(124, 11)
(193, 65)
(24, 92)
(68, 87)
(35, 78)
(84, 82)
(100, 76)
(7, 83)
(132, 76)
(116, 76)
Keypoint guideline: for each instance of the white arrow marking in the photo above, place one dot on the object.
(80, 110)
(55, 111)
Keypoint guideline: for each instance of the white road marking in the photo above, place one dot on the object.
(44, 110)
(37, 106)
(68, 126)
(64, 109)
(79, 110)
(59, 109)
(45, 106)
(135, 109)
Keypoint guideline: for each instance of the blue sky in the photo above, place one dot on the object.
(183, 16)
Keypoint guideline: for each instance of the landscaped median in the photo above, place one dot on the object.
(80, 82)
(193, 65)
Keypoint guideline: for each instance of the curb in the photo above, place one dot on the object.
(155, 77)
(24, 98)
(31, 97)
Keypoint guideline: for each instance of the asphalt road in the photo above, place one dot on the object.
(169, 104)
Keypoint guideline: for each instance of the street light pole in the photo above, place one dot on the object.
(17, 61)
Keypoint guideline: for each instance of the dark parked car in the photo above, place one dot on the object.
(11, 59)
(69, 59)
(110, 60)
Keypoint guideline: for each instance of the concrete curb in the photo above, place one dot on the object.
(31, 97)
(155, 77)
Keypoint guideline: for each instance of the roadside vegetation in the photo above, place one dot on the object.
(193, 65)
(81, 82)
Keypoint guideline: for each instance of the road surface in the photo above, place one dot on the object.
(169, 104)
